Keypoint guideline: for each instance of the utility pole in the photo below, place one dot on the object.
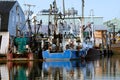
(29, 13)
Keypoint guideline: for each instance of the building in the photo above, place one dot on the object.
(12, 20)
(11, 17)
(111, 23)
(98, 28)
(113, 29)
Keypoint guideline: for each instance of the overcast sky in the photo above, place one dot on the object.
(108, 9)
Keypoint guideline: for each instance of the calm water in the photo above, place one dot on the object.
(101, 69)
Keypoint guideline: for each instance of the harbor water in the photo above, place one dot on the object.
(105, 68)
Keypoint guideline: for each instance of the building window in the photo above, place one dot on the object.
(0, 40)
(0, 22)
(17, 9)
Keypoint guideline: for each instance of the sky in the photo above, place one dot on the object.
(108, 9)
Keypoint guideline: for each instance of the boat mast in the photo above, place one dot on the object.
(56, 32)
(82, 12)
(64, 8)
(34, 18)
(55, 16)
(82, 21)
(92, 25)
(49, 21)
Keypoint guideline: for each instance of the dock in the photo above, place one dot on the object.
(115, 48)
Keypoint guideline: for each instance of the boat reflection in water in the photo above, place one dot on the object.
(19, 70)
(67, 70)
(83, 70)
(4, 72)
(56, 70)
(102, 69)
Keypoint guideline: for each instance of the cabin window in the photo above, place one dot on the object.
(0, 40)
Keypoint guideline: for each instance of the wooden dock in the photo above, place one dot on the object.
(115, 48)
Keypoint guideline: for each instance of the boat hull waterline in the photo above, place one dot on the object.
(66, 55)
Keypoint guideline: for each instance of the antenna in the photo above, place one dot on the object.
(91, 12)
(29, 12)
(29, 5)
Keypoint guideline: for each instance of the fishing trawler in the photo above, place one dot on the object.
(68, 49)
(62, 42)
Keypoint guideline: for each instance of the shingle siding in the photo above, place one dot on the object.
(9, 16)
(4, 22)
(5, 6)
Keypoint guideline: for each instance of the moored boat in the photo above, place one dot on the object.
(66, 55)
(22, 51)
(62, 35)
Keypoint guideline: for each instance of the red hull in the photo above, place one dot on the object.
(26, 56)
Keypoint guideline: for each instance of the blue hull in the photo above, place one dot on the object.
(66, 55)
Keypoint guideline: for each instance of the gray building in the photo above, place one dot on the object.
(12, 23)
(11, 17)
(113, 23)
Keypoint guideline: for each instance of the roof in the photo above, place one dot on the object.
(100, 28)
(5, 6)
